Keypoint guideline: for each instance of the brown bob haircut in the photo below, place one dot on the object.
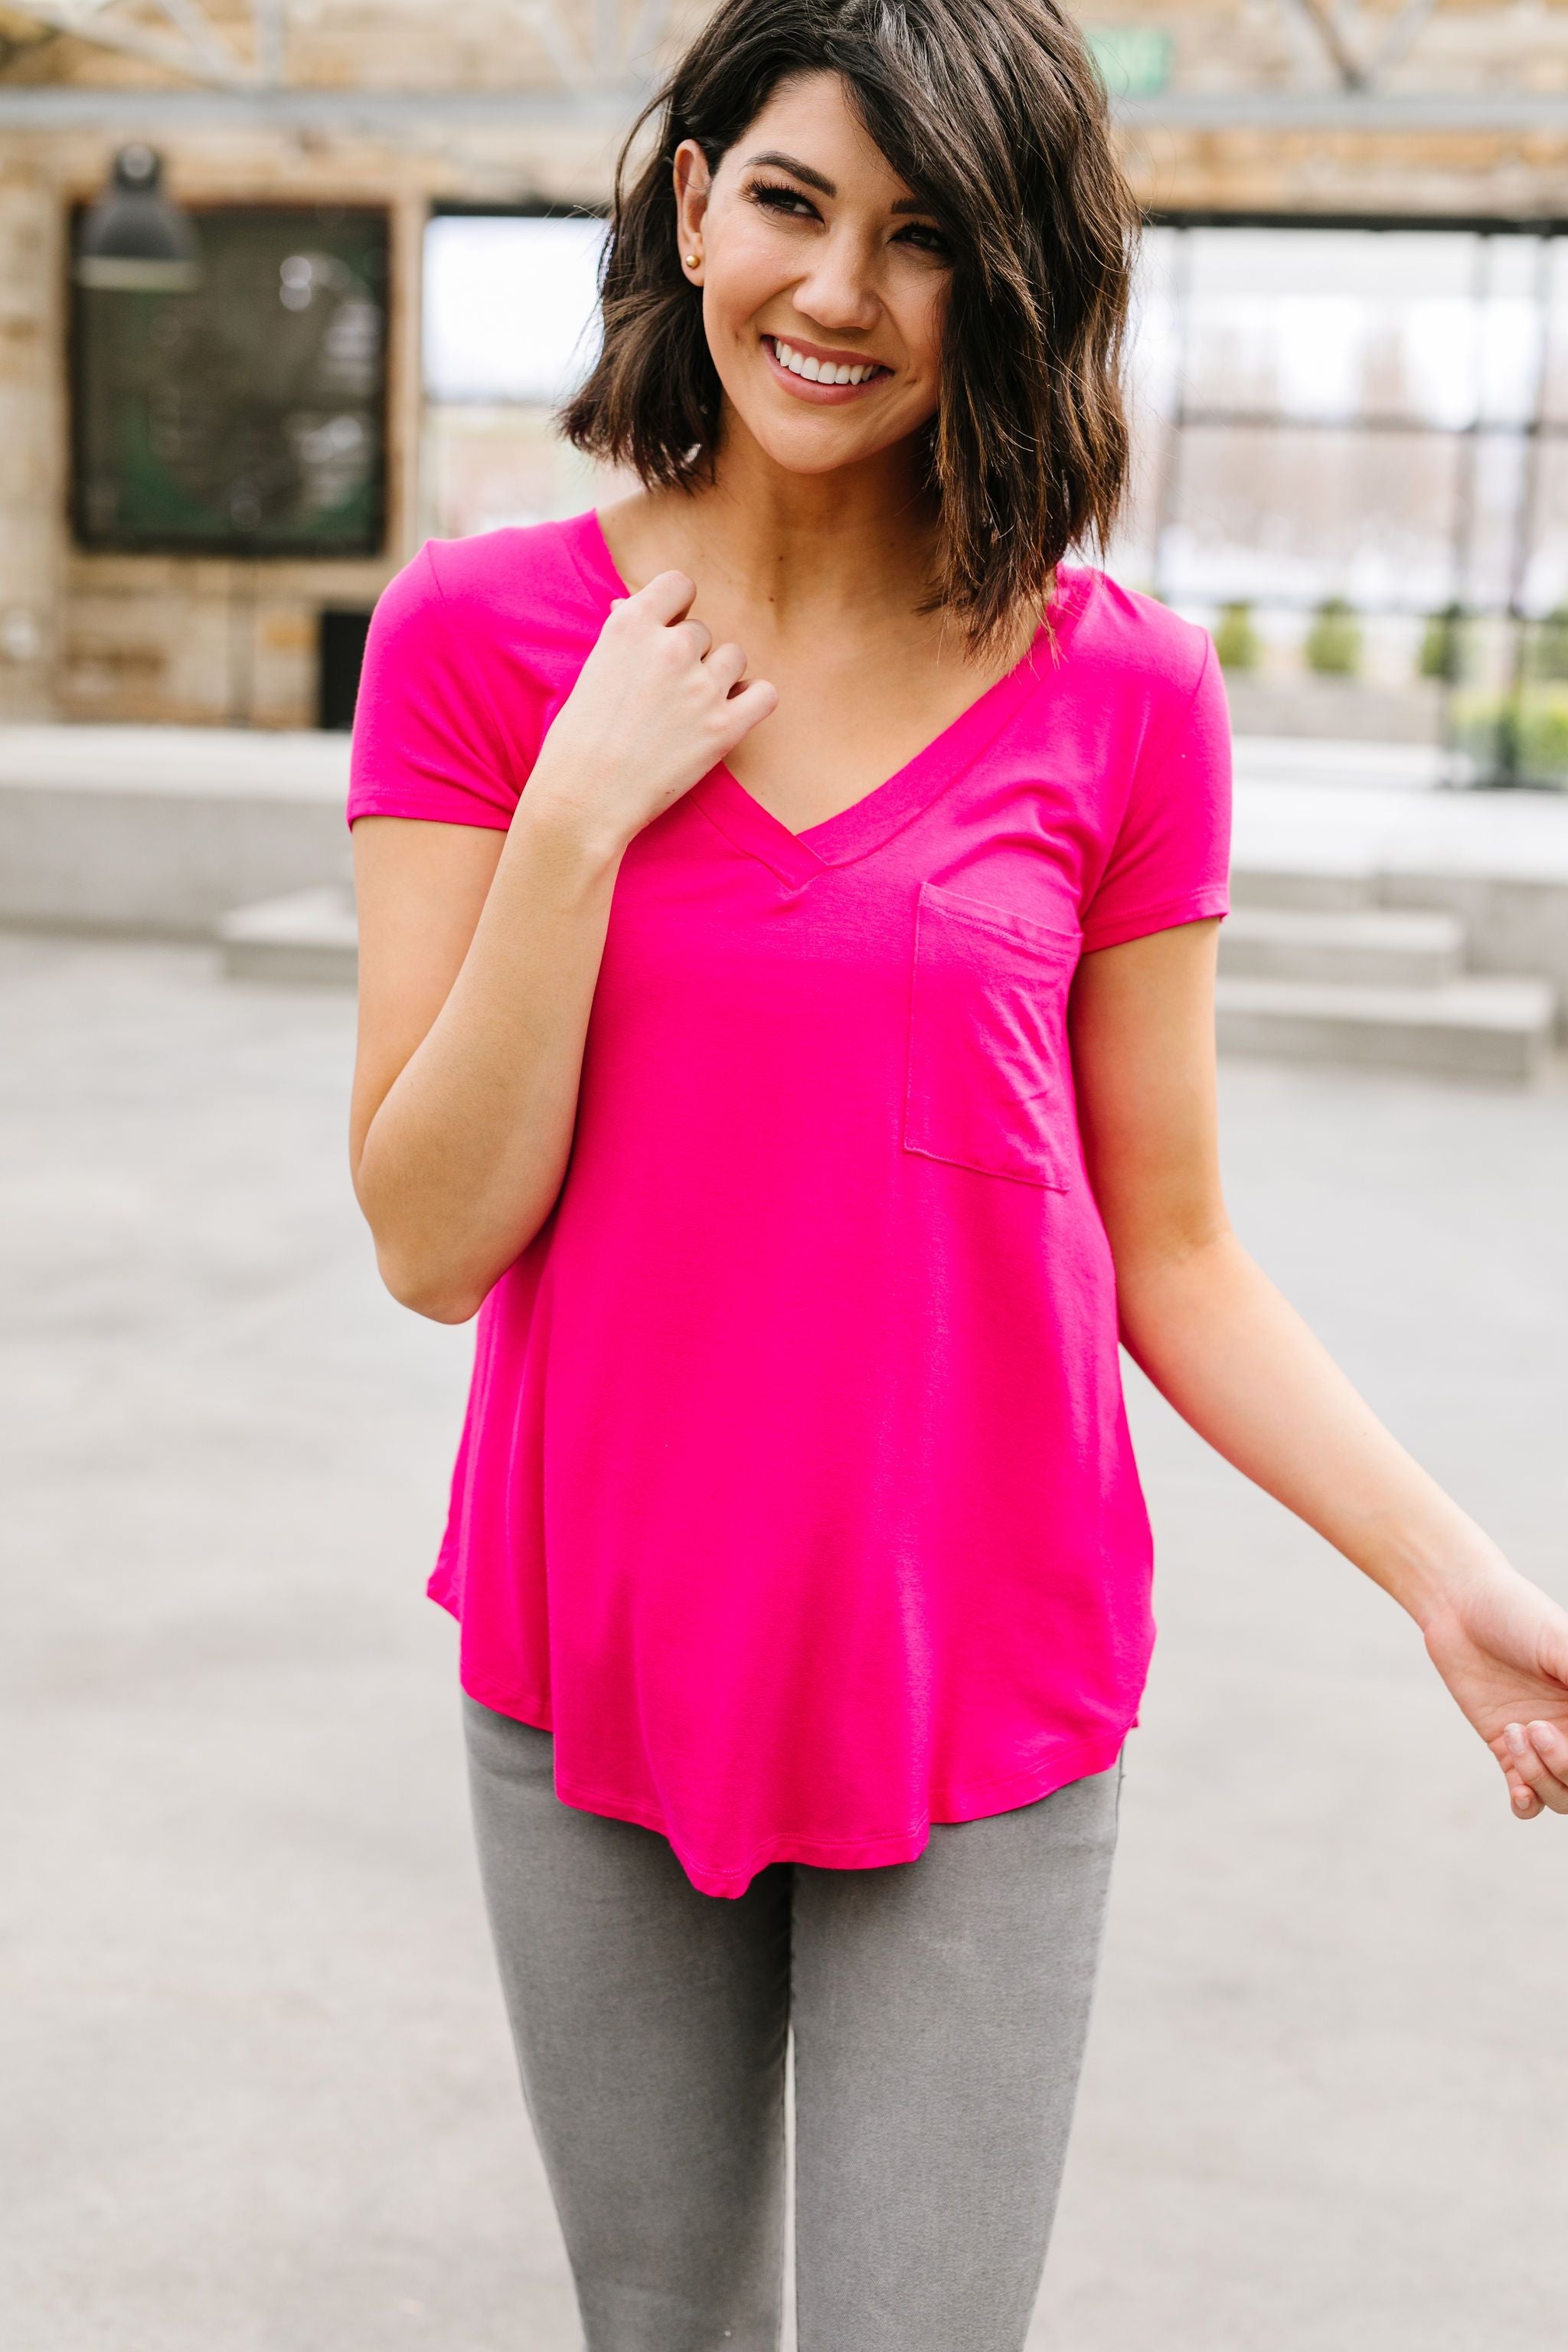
(991, 112)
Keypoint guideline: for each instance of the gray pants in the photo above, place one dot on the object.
(938, 2008)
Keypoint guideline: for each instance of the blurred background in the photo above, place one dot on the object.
(1352, 363)
(287, 287)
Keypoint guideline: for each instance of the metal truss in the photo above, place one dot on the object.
(180, 36)
(589, 43)
(599, 54)
(1360, 44)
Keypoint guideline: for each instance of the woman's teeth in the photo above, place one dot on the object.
(819, 371)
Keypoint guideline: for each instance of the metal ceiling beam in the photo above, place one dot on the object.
(1362, 50)
(1357, 110)
(583, 55)
(1323, 20)
(75, 106)
(271, 20)
(199, 55)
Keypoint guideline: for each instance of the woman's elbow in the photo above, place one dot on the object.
(437, 1293)
(442, 1268)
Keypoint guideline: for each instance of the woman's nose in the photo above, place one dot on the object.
(840, 289)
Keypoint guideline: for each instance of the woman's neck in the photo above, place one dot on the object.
(802, 549)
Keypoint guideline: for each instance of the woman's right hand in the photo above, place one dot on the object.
(656, 705)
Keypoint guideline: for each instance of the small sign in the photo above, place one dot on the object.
(1133, 60)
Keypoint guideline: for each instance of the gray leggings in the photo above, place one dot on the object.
(938, 2008)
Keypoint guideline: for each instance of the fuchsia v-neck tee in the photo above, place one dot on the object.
(795, 1493)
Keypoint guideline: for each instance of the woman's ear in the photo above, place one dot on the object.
(693, 186)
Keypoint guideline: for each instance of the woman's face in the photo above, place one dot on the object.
(816, 263)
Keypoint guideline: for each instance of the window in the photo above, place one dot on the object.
(1367, 421)
(511, 303)
(246, 415)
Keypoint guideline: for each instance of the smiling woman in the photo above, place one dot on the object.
(1003, 202)
(788, 904)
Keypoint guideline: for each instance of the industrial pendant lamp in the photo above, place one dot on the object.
(134, 240)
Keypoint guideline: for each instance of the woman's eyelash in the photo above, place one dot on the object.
(776, 194)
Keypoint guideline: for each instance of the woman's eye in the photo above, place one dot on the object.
(777, 199)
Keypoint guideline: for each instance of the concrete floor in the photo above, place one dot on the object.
(257, 2095)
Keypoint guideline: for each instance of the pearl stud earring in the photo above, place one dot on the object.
(691, 261)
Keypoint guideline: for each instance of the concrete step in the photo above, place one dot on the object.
(1479, 1026)
(1475, 1026)
(309, 937)
(1372, 945)
(1322, 875)
(155, 830)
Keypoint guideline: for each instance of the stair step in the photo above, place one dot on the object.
(1476, 1026)
(1372, 945)
(309, 937)
(1480, 1026)
(1327, 880)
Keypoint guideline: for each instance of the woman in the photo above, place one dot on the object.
(801, 1058)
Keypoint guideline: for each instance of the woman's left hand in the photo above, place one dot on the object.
(1501, 1646)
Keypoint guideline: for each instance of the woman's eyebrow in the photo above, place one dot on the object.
(780, 162)
(784, 163)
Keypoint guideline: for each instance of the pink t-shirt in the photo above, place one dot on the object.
(795, 1493)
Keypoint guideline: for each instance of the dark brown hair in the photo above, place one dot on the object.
(991, 112)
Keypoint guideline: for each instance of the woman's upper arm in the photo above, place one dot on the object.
(1142, 1036)
(420, 887)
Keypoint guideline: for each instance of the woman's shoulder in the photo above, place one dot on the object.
(495, 583)
(1129, 638)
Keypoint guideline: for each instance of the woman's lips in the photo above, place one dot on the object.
(823, 394)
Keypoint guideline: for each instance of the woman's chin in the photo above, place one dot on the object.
(815, 444)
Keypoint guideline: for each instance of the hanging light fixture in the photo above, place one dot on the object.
(134, 240)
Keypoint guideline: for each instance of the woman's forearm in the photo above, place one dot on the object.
(464, 1157)
(1237, 1362)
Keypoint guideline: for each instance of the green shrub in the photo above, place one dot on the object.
(1235, 640)
(1549, 646)
(1444, 645)
(1334, 640)
(1524, 736)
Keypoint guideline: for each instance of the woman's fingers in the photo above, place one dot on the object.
(758, 701)
(1530, 1757)
(1521, 1796)
(666, 596)
(1550, 1744)
(726, 666)
(697, 634)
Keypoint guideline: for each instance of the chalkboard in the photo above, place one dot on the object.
(248, 415)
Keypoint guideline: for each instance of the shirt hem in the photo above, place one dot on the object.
(526, 1707)
(974, 1800)
(1164, 915)
(434, 810)
(978, 1800)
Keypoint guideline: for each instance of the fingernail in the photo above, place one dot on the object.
(1516, 1738)
(1521, 1802)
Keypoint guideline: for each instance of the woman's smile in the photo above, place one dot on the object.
(814, 372)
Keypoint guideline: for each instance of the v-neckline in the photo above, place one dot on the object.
(879, 814)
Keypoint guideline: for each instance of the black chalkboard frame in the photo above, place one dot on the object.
(321, 226)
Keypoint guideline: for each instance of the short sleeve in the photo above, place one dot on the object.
(426, 739)
(1170, 861)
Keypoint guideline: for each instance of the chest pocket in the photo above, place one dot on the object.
(987, 1084)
